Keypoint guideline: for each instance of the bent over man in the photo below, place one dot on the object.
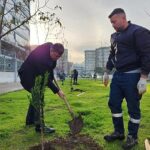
(41, 60)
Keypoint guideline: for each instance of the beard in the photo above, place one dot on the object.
(119, 29)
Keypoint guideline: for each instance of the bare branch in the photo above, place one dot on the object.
(147, 13)
(22, 23)
(9, 11)
(42, 17)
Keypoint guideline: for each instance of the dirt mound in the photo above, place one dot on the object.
(80, 142)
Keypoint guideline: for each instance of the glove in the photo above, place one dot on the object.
(141, 86)
(105, 79)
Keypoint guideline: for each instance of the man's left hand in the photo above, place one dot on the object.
(61, 94)
(141, 86)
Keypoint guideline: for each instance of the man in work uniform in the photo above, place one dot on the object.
(130, 56)
(41, 60)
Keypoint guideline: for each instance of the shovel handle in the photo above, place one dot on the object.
(65, 100)
(69, 108)
(147, 145)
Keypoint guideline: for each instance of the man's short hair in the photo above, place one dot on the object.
(58, 48)
(116, 11)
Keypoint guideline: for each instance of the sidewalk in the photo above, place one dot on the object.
(9, 87)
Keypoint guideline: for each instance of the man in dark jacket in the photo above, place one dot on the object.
(41, 60)
(130, 56)
(75, 76)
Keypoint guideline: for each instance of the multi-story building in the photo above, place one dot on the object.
(101, 57)
(62, 63)
(70, 67)
(96, 59)
(89, 61)
(14, 46)
(16, 42)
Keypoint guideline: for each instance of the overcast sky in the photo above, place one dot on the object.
(87, 25)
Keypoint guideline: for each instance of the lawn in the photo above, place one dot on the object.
(14, 135)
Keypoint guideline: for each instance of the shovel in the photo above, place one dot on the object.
(76, 124)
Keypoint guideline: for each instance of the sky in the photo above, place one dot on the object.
(86, 23)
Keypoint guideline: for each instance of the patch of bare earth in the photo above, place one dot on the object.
(78, 142)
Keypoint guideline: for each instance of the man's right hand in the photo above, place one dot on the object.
(105, 79)
(61, 94)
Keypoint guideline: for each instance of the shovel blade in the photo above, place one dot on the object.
(76, 125)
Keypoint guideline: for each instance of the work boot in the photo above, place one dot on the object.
(130, 142)
(45, 129)
(114, 136)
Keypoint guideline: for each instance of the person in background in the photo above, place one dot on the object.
(95, 76)
(75, 77)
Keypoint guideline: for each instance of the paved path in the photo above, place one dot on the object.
(9, 87)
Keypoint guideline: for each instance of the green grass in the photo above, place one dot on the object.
(14, 135)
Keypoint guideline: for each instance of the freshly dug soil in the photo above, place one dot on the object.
(78, 142)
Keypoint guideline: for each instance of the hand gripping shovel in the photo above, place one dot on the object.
(76, 124)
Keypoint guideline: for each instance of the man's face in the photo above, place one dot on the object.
(54, 55)
(117, 22)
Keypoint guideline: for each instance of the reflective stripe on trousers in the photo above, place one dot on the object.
(136, 121)
(117, 115)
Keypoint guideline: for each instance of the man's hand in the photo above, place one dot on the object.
(141, 85)
(61, 94)
(105, 79)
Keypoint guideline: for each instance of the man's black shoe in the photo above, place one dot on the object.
(130, 142)
(45, 129)
(114, 136)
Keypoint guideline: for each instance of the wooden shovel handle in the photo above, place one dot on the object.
(69, 108)
(65, 100)
(147, 145)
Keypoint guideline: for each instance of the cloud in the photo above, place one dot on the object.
(87, 25)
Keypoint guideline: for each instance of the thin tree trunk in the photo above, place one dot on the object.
(2, 16)
(1, 21)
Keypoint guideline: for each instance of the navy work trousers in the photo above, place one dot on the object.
(124, 85)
